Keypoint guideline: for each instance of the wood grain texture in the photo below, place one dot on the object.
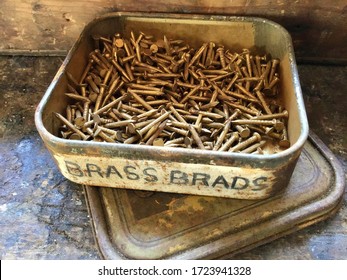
(318, 28)
(44, 216)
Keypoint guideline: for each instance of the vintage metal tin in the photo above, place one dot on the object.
(143, 225)
(176, 170)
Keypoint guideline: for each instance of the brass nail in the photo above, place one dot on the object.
(270, 91)
(175, 141)
(265, 74)
(240, 96)
(210, 114)
(244, 71)
(86, 70)
(154, 136)
(255, 138)
(132, 109)
(145, 114)
(197, 54)
(222, 136)
(147, 92)
(248, 64)
(241, 108)
(283, 114)
(121, 114)
(158, 142)
(184, 125)
(115, 87)
(103, 135)
(111, 132)
(278, 125)
(79, 120)
(92, 84)
(254, 147)
(257, 63)
(100, 97)
(121, 70)
(176, 114)
(140, 100)
(220, 51)
(68, 113)
(148, 127)
(111, 104)
(215, 125)
(71, 126)
(75, 136)
(132, 127)
(122, 123)
(210, 54)
(263, 102)
(97, 60)
(192, 92)
(284, 141)
(244, 132)
(66, 134)
(234, 137)
(178, 130)
(150, 132)
(245, 91)
(274, 63)
(196, 137)
(254, 68)
(77, 97)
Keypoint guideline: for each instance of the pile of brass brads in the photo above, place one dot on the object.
(162, 92)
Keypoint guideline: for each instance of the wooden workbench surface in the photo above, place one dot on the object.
(44, 216)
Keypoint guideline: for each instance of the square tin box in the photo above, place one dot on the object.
(249, 176)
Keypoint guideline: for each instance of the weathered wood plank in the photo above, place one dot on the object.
(318, 28)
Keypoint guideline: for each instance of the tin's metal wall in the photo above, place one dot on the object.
(318, 28)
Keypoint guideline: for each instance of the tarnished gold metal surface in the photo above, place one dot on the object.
(211, 173)
(155, 225)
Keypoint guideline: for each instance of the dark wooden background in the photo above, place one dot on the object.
(318, 28)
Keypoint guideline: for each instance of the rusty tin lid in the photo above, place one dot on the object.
(154, 225)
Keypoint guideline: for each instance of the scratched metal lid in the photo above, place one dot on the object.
(154, 225)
